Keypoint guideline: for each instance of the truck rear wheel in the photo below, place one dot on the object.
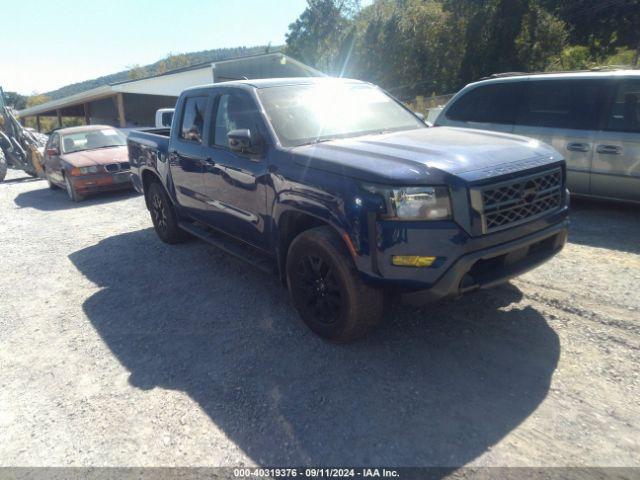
(326, 289)
(163, 215)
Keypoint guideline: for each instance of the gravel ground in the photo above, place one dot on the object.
(118, 350)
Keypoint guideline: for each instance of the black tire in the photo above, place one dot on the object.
(163, 215)
(71, 192)
(3, 166)
(327, 290)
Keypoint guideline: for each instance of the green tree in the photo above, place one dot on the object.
(172, 62)
(542, 36)
(573, 57)
(407, 46)
(15, 100)
(603, 26)
(322, 36)
(136, 72)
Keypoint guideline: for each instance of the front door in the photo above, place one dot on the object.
(235, 182)
(616, 165)
(186, 156)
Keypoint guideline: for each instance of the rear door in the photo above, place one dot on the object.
(186, 157)
(616, 164)
(565, 114)
(236, 182)
(490, 106)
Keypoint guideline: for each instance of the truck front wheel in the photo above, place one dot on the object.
(326, 289)
(163, 215)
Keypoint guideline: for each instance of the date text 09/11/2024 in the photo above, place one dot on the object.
(315, 472)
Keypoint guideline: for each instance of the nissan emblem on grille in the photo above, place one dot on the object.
(521, 199)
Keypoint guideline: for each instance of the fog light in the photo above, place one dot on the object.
(412, 261)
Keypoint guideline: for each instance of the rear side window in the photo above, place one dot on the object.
(574, 104)
(624, 114)
(193, 119)
(494, 103)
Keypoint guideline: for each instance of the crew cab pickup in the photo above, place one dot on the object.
(347, 195)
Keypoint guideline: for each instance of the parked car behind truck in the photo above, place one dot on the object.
(87, 160)
(592, 118)
(348, 195)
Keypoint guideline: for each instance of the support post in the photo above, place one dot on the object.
(38, 123)
(120, 104)
(59, 115)
(87, 114)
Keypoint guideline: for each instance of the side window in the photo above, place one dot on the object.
(193, 119)
(575, 104)
(495, 103)
(235, 111)
(624, 114)
(55, 141)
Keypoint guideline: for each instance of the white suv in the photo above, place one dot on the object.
(591, 118)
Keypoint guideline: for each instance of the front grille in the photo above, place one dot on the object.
(117, 167)
(515, 201)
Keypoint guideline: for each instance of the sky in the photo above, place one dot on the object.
(47, 44)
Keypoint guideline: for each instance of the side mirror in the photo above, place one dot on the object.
(53, 151)
(243, 141)
(420, 116)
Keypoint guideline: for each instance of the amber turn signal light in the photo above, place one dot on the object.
(412, 261)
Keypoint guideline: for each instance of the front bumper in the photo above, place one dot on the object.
(494, 265)
(102, 182)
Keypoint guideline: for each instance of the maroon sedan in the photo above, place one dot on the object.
(86, 160)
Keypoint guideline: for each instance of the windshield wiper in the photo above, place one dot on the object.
(107, 146)
(317, 140)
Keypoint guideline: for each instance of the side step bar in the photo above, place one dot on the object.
(231, 246)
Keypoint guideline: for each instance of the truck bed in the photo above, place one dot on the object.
(146, 147)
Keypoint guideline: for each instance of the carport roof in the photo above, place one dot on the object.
(153, 85)
(73, 100)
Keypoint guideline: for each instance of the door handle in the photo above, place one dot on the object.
(609, 149)
(578, 147)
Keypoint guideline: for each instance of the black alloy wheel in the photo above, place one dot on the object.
(326, 288)
(320, 289)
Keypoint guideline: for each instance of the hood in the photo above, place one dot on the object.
(101, 156)
(416, 156)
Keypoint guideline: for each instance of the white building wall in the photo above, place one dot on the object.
(168, 85)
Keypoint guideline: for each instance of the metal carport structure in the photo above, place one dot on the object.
(133, 103)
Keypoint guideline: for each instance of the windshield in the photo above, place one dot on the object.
(92, 139)
(302, 114)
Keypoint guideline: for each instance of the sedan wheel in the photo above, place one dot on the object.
(73, 195)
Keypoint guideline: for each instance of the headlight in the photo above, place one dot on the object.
(83, 170)
(415, 203)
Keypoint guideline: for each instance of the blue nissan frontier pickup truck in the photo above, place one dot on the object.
(349, 196)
